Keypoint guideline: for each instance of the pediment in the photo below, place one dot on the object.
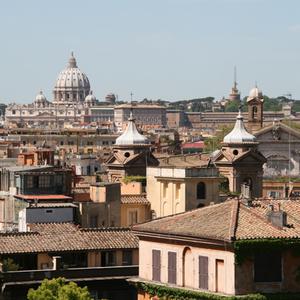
(280, 132)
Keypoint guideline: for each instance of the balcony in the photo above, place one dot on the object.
(75, 274)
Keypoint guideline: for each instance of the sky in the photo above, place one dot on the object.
(158, 49)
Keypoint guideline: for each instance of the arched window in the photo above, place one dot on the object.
(254, 112)
(201, 190)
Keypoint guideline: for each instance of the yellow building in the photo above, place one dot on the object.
(182, 183)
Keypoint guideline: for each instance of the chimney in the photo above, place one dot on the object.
(277, 218)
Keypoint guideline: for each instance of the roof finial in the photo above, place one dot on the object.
(235, 77)
(255, 83)
(239, 116)
(72, 61)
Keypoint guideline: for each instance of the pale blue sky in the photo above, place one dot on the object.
(167, 49)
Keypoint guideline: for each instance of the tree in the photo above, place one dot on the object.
(58, 289)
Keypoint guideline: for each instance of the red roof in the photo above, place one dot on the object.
(195, 145)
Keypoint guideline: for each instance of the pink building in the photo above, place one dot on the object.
(233, 248)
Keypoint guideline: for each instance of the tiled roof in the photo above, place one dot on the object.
(228, 221)
(194, 145)
(134, 199)
(189, 160)
(60, 237)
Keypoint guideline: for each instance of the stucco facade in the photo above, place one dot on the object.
(172, 190)
(187, 266)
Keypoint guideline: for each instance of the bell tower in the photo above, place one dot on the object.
(239, 160)
(255, 103)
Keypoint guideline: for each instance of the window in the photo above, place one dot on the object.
(203, 272)
(165, 187)
(177, 190)
(267, 267)
(201, 190)
(108, 258)
(13, 112)
(254, 112)
(44, 181)
(133, 217)
(127, 258)
(93, 221)
(29, 182)
(156, 265)
(172, 270)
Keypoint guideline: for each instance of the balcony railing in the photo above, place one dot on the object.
(71, 273)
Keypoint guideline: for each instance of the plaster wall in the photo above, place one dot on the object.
(145, 264)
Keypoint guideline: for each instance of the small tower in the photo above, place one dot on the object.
(240, 161)
(255, 103)
(235, 94)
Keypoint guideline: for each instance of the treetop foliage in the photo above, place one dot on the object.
(59, 289)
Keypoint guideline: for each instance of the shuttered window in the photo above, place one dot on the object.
(172, 267)
(203, 272)
(156, 265)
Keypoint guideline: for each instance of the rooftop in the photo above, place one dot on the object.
(59, 237)
(228, 221)
(28, 168)
(43, 197)
(185, 161)
(134, 199)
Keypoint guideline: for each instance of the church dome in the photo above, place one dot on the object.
(255, 93)
(131, 136)
(71, 84)
(239, 134)
(90, 99)
(40, 98)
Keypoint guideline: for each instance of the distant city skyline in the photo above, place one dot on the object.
(161, 49)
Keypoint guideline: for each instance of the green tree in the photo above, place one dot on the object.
(59, 289)
(232, 106)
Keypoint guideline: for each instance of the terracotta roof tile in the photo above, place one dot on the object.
(187, 160)
(66, 237)
(134, 199)
(208, 222)
(229, 220)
